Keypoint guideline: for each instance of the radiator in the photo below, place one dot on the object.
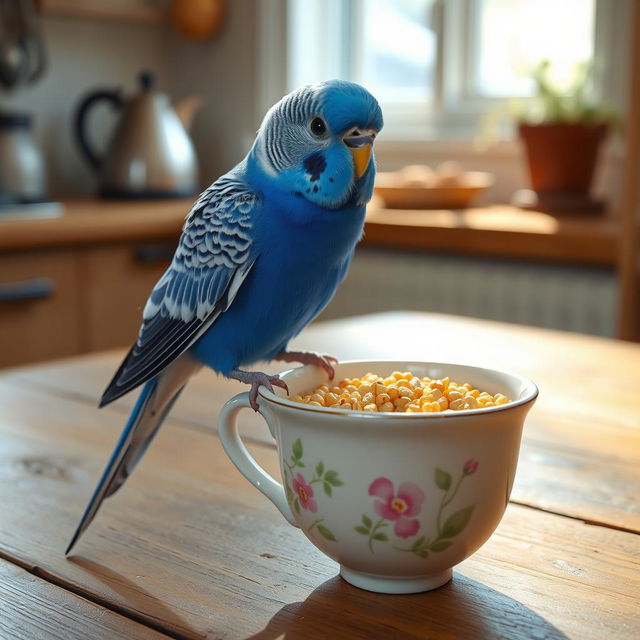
(582, 299)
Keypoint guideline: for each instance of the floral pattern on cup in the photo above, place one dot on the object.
(300, 492)
(304, 493)
(400, 506)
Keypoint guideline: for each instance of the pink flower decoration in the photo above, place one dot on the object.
(400, 506)
(305, 493)
(470, 466)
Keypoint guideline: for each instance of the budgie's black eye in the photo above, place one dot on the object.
(318, 127)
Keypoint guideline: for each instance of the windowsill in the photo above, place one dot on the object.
(499, 231)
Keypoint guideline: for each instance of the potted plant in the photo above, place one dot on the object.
(562, 132)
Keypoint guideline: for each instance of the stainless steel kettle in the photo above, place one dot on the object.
(22, 169)
(150, 154)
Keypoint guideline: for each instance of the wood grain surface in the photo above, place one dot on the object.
(498, 230)
(98, 221)
(580, 453)
(188, 544)
(191, 548)
(33, 609)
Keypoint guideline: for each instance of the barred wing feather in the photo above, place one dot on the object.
(212, 260)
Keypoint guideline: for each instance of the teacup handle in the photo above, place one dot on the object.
(243, 460)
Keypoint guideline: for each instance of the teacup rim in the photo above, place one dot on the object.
(530, 387)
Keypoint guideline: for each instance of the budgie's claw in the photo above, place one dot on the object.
(310, 357)
(257, 380)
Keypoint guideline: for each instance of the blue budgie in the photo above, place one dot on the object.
(261, 254)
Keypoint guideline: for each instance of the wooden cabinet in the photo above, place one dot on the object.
(117, 283)
(78, 283)
(65, 301)
(39, 307)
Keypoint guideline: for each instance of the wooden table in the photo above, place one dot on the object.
(188, 549)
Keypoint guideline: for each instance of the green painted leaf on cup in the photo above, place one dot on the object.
(327, 488)
(332, 478)
(381, 536)
(457, 522)
(320, 468)
(325, 533)
(418, 543)
(366, 521)
(443, 479)
(297, 449)
(440, 545)
(423, 554)
(296, 506)
(363, 530)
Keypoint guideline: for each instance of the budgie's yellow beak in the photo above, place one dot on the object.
(361, 157)
(360, 144)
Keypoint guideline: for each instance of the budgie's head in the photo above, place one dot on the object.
(317, 143)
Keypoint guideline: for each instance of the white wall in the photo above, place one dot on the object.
(223, 70)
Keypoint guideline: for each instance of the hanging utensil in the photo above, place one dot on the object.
(22, 51)
(31, 39)
(13, 57)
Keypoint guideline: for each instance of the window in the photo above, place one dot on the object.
(509, 37)
(438, 65)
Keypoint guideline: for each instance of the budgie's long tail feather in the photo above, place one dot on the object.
(154, 403)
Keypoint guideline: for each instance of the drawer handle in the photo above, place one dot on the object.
(154, 252)
(25, 290)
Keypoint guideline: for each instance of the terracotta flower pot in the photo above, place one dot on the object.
(562, 158)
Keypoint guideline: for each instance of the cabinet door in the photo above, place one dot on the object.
(39, 307)
(118, 281)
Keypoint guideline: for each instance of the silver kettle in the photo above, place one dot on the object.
(22, 169)
(150, 154)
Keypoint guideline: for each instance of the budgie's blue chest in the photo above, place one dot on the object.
(302, 254)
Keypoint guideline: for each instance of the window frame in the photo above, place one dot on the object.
(456, 112)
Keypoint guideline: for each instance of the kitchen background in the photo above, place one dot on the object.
(61, 278)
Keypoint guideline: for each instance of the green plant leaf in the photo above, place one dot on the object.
(300, 463)
(418, 543)
(319, 468)
(363, 530)
(366, 521)
(457, 522)
(381, 536)
(443, 479)
(327, 488)
(440, 545)
(325, 533)
(297, 449)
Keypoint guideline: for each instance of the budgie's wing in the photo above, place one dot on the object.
(212, 260)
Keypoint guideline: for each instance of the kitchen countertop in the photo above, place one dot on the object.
(496, 231)
(189, 549)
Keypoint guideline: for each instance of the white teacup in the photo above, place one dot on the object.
(397, 499)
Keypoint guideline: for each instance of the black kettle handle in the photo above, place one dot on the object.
(80, 125)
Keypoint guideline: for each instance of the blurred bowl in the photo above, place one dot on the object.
(453, 196)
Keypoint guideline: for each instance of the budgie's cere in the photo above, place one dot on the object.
(261, 254)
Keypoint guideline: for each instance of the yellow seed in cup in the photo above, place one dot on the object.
(400, 392)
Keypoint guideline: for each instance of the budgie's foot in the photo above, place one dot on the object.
(310, 357)
(256, 380)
